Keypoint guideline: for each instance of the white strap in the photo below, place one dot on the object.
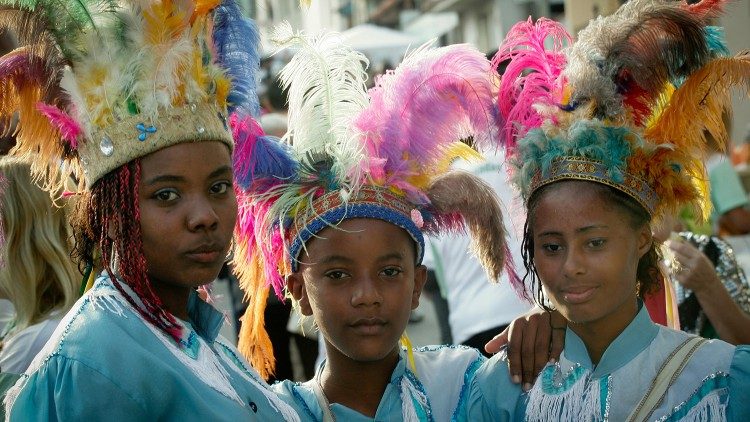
(668, 373)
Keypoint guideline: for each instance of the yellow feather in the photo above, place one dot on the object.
(164, 23)
(222, 90)
(202, 7)
(254, 342)
(661, 104)
(424, 177)
(698, 104)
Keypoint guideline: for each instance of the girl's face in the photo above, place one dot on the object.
(586, 252)
(360, 283)
(188, 210)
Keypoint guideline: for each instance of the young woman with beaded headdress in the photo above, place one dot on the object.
(606, 138)
(141, 94)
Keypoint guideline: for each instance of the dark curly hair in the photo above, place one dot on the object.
(112, 204)
(649, 276)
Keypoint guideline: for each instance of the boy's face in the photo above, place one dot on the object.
(360, 282)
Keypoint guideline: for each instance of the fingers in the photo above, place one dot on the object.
(493, 346)
(528, 347)
(558, 325)
(541, 345)
(515, 338)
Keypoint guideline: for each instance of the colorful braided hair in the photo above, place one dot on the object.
(628, 105)
(350, 153)
(98, 84)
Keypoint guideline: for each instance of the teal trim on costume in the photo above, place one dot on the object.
(604, 395)
(421, 413)
(464, 395)
(711, 385)
(554, 385)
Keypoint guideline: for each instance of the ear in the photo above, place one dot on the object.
(295, 283)
(645, 240)
(420, 277)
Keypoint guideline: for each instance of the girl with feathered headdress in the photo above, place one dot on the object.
(134, 100)
(337, 215)
(606, 136)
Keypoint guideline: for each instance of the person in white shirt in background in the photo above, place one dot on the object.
(478, 309)
(37, 275)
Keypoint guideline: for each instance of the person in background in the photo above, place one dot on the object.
(478, 309)
(728, 196)
(37, 274)
(712, 291)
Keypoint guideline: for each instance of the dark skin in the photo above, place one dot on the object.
(188, 212)
(533, 340)
(586, 255)
(360, 282)
(541, 334)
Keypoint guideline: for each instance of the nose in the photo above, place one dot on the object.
(574, 263)
(202, 216)
(366, 292)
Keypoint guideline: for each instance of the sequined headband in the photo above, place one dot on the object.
(368, 202)
(581, 168)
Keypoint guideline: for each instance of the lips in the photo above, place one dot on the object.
(206, 253)
(369, 326)
(578, 294)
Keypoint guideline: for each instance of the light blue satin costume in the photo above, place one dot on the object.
(440, 388)
(714, 385)
(105, 362)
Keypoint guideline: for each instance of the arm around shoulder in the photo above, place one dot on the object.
(66, 389)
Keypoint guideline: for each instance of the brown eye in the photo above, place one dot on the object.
(166, 195)
(335, 275)
(552, 247)
(220, 188)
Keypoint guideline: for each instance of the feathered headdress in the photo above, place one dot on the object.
(353, 154)
(628, 104)
(98, 83)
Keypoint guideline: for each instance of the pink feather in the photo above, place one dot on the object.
(69, 129)
(435, 98)
(532, 77)
(706, 9)
(245, 131)
(250, 229)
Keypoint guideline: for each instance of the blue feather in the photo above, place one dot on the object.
(236, 40)
(270, 160)
(716, 41)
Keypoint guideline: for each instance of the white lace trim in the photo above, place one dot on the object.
(581, 402)
(409, 393)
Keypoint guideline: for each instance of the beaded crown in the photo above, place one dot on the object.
(629, 104)
(98, 83)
